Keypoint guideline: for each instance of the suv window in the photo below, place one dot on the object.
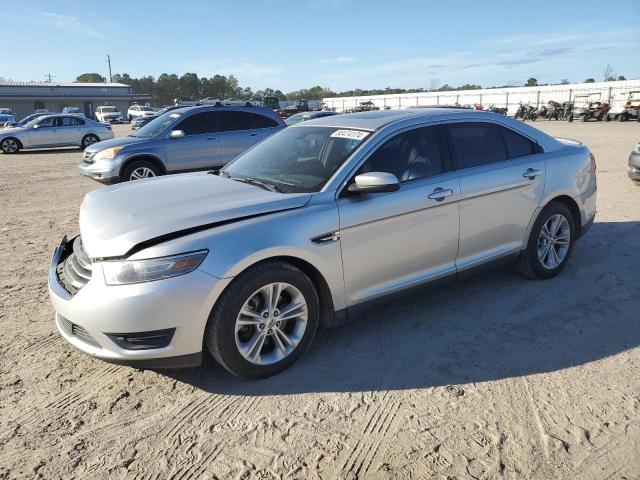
(517, 145)
(232, 120)
(47, 122)
(418, 153)
(262, 121)
(200, 123)
(477, 143)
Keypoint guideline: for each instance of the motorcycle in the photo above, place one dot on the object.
(520, 111)
(553, 112)
(499, 110)
(566, 111)
(530, 113)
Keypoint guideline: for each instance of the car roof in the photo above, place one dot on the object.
(377, 119)
(240, 108)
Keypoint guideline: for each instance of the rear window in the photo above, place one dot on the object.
(477, 143)
(262, 121)
(517, 145)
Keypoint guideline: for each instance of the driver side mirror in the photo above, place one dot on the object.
(176, 134)
(374, 182)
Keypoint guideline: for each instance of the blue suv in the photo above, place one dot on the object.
(182, 140)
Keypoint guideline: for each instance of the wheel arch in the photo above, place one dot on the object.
(327, 310)
(144, 156)
(14, 138)
(564, 199)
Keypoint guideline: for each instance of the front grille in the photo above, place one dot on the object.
(75, 271)
(77, 331)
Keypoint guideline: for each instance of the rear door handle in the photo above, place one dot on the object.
(439, 194)
(531, 173)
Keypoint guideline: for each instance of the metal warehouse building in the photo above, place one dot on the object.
(25, 98)
(510, 97)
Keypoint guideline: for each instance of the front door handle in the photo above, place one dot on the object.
(439, 194)
(531, 173)
(211, 138)
(254, 134)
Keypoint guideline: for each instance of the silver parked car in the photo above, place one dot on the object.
(45, 131)
(309, 226)
(183, 139)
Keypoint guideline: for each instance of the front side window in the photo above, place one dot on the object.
(46, 123)
(477, 143)
(232, 120)
(418, 153)
(200, 123)
(300, 159)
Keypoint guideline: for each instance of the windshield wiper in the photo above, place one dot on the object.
(258, 183)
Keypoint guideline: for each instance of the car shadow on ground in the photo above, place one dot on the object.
(493, 326)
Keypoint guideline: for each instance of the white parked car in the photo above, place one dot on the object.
(137, 111)
(108, 114)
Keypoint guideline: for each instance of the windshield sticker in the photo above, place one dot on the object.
(350, 134)
(174, 115)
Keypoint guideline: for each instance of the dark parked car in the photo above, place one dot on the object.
(140, 122)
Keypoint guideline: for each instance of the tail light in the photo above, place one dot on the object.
(593, 161)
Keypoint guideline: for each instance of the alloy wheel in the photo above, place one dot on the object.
(554, 241)
(142, 172)
(90, 140)
(9, 146)
(271, 323)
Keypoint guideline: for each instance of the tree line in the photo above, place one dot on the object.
(167, 87)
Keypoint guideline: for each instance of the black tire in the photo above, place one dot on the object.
(570, 118)
(637, 182)
(622, 117)
(129, 170)
(89, 140)
(528, 264)
(10, 145)
(220, 331)
(130, 119)
(607, 118)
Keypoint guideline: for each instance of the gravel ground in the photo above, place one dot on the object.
(496, 377)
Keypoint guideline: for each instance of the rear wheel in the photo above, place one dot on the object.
(622, 117)
(140, 169)
(10, 145)
(550, 243)
(264, 321)
(88, 140)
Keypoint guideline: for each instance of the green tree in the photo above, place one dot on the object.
(564, 81)
(90, 78)
(531, 82)
(621, 77)
(589, 80)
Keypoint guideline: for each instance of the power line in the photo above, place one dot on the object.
(49, 77)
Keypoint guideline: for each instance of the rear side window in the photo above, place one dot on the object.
(263, 122)
(517, 145)
(477, 143)
(200, 123)
(232, 120)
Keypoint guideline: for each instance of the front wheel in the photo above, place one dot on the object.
(89, 140)
(10, 145)
(550, 243)
(138, 170)
(264, 321)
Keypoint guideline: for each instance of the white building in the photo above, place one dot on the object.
(510, 97)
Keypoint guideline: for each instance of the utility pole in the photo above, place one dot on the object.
(109, 62)
(49, 77)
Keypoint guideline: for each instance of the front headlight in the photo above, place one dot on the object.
(107, 153)
(137, 271)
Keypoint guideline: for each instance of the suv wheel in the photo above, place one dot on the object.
(10, 145)
(140, 169)
(550, 243)
(264, 320)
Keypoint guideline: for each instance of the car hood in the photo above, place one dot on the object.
(115, 219)
(11, 131)
(114, 142)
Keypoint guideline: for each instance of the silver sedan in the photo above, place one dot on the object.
(310, 226)
(63, 130)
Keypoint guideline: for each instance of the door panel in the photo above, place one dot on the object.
(45, 135)
(199, 148)
(396, 240)
(233, 144)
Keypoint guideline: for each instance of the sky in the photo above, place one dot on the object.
(340, 44)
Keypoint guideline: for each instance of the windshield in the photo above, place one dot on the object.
(109, 109)
(156, 125)
(146, 109)
(297, 118)
(299, 159)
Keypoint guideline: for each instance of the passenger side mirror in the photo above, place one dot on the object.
(374, 182)
(176, 134)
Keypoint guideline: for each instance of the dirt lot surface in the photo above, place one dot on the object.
(496, 377)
